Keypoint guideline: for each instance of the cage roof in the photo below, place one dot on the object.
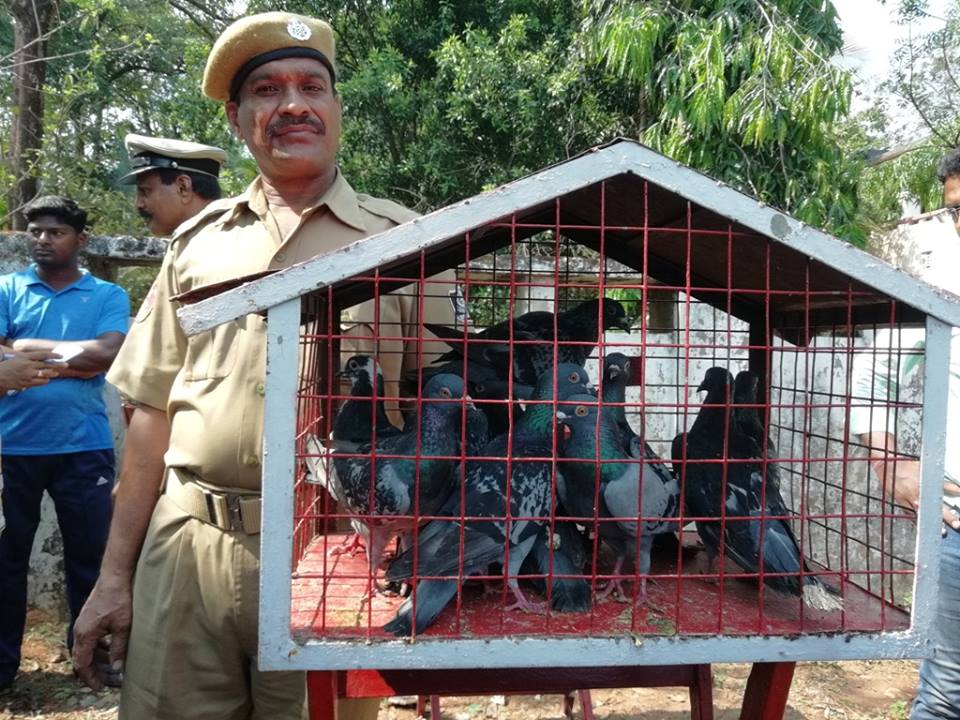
(640, 199)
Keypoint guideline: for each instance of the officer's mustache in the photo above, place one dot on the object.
(286, 122)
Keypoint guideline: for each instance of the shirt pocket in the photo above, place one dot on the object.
(212, 354)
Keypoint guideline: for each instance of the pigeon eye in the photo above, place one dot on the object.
(353, 365)
(581, 411)
(573, 377)
(626, 367)
(481, 389)
(445, 392)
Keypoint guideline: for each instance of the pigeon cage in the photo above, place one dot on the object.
(689, 485)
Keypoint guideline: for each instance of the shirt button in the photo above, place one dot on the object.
(252, 461)
(261, 389)
(280, 257)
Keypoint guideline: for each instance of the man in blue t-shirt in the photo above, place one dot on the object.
(55, 436)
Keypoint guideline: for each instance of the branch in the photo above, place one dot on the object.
(872, 158)
(204, 28)
(911, 96)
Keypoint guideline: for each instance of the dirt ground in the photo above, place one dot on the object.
(835, 691)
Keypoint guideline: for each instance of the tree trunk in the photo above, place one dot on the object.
(31, 22)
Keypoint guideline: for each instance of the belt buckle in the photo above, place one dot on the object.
(223, 510)
(233, 511)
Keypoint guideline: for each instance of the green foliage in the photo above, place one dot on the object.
(924, 88)
(119, 67)
(445, 98)
(137, 281)
(742, 90)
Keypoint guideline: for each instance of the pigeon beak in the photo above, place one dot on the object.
(702, 387)
(624, 324)
(613, 371)
(561, 415)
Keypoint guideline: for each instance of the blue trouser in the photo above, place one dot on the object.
(939, 692)
(80, 485)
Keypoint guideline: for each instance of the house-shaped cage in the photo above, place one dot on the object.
(678, 539)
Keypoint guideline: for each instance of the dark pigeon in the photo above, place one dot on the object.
(761, 535)
(616, 375)
(534, 353)
(748, 423)
(630, 487)
(419, 479)
(487, 542)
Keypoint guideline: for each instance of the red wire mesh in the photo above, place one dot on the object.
(801, 340)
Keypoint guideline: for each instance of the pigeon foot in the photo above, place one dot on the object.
(352, 545)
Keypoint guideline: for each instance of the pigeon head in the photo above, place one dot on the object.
(579, 410)
(715, 384)
(745, 386)
(570, 378)
(615, 367)
(444, 386)
(360, 368)
(614, 315)
(586, 313)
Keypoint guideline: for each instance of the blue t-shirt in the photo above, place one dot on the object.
(65, 415)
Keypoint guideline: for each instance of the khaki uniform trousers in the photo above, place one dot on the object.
(193, 646)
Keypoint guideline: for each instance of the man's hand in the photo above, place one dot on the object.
(901, 476)
(22, 370)
(104, 622)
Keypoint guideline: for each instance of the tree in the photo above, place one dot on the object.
(914, 111)
(118, 67)
(31, 23)
(744, 90)
(445, 98)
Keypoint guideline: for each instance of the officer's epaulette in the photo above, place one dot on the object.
(211, 212)
(386, 208)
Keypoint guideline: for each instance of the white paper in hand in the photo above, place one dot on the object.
(66, 352)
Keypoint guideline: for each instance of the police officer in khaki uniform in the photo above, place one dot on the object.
(187, 513)
(175, 179)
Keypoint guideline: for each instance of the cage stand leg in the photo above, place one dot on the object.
(325, 687)
(322, 694)
(768, 688)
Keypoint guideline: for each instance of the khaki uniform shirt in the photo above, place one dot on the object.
(212, 384)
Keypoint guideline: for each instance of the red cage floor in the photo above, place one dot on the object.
(328, 592)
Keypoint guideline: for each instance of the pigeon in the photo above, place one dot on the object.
(412, 469)
(356, 419)
(532, 333)
(748, 422)
(630, 487)
(491, 396)
(616, 375)
(762, 535)
(481, 543)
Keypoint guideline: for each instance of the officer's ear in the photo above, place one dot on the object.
(184, 185)
(232, 108)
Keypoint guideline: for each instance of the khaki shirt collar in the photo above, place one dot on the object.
(340, 198)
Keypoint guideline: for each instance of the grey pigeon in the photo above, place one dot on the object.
(413, 470)
(455, 550)
(630, 488)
